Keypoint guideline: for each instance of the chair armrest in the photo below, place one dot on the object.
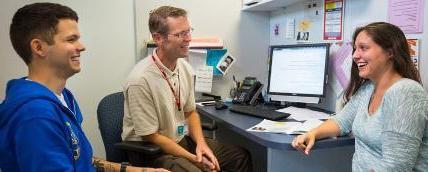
(209, 126)
(139, 146)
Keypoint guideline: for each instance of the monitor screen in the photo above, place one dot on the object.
(298, 73)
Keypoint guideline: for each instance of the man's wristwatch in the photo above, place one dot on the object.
(123, 166)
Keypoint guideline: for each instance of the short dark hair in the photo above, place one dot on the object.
(38, 20)
(157, 19)
(391, 39)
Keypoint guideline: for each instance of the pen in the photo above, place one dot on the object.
(234, 80)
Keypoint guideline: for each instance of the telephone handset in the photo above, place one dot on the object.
(248, 92)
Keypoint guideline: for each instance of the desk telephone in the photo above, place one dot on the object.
(248, 92)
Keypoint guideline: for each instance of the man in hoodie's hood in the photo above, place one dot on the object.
(40, 121)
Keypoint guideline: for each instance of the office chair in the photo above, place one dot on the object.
(110, 117)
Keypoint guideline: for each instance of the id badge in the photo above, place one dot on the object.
(182, 129)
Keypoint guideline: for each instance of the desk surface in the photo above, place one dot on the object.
(239, 123)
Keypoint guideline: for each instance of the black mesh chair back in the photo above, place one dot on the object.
(110, 116)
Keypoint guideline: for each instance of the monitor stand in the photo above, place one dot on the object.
(284, 104)
(296, 104)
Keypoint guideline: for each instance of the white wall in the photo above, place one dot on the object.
(10, 66)
(107, 29)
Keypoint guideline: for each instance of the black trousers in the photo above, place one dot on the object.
(231, 158)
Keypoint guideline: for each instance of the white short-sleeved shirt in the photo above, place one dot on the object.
(150, 105)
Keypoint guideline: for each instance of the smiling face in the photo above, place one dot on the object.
(176, 42)
(371, 59)
(64, 55)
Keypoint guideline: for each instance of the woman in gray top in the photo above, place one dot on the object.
(386, 106)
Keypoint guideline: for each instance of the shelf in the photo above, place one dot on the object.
(269, 5)
(152, 45)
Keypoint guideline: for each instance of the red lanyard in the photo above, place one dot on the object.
(177, 98)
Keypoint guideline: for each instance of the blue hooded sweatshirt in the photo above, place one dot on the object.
(38, 133)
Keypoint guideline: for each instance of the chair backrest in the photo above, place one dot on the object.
(110, 117)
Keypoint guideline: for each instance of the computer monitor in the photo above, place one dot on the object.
(298, 73)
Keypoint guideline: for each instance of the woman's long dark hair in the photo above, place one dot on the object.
(391, 39)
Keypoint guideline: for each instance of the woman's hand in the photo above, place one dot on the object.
(304, 142)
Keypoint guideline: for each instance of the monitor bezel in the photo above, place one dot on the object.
(271, 49)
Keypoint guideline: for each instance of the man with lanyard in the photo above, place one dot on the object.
(40, 121)
(160, 104)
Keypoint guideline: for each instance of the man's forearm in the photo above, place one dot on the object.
(169, 146)
(195, 128)
(103, 165)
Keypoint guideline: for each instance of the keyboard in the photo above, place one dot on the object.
(259, 111)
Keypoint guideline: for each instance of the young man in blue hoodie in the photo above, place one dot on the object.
(40, 121)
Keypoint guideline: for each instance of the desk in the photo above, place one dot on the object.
(273, 152)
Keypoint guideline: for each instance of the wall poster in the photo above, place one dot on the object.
(333, 19)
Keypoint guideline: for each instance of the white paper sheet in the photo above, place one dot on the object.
(197, 57)
(303, 114)
(274, 126)
(204, 79)
(290, 28)
(285, 127)
(205, 102)
(307, 126)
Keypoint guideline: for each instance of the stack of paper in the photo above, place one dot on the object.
(285, 127)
